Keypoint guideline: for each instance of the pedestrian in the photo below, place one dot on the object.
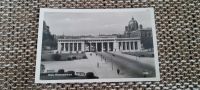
(118, 71)
(98, 64)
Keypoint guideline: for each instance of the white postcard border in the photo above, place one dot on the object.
(39, 46)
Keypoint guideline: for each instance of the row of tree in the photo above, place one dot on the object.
(49, 41)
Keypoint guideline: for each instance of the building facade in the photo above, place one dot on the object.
(134, 38)
(98, 45)
(135, 30)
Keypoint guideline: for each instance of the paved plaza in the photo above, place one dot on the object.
(105, 70)
(103, 65)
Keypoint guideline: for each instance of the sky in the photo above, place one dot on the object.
(83, 23)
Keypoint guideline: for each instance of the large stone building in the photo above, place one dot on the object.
(135, 30)
(98, 44)
(133, 39)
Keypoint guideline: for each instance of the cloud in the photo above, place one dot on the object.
(93, 23)
(110, 25)
(67, 19)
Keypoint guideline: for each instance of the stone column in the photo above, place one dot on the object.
(125, 46)
(96, 47)
(77, 46)
(72, 46)
(101, 46)
(129, 46)
(121, 47)
(139, 45)
(108, 47)
(68, 45)
(115, 46)
(82, 46)
(59, 47)
(90, 46)
(64, 47)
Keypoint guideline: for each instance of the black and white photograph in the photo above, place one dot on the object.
(96, 45)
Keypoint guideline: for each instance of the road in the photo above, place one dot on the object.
(129, 66)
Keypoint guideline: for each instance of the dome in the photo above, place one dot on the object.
(133, 24)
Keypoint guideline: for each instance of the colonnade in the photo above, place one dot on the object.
(99, 46)
(70, 46)
(129, 45)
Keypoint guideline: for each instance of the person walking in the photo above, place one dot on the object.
(98, 64)
(118, 71)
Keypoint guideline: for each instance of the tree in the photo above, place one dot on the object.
(48, 39)
(42, 68)
(61, 71)
(56, 57)
(72, 73)
(147, 42)
(90, 75)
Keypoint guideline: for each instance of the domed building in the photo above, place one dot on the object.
(132, 26)
(136, 30)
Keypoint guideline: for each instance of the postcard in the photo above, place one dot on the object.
(96, 45)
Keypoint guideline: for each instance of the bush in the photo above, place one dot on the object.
(71, 72)
(90, 75)
(61, 71)
(69, 58)
(142, 55)
(84, 57)
(74, 57)
(56, 57)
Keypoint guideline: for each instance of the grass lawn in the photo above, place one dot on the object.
(63, 57)
(140, 54)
